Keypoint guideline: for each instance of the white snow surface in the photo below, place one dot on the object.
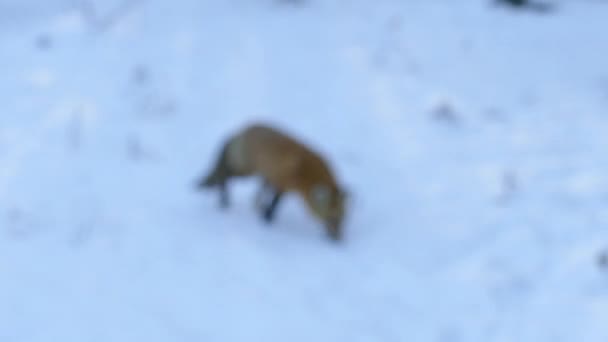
(473, 140)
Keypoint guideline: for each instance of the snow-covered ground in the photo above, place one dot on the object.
(474, 141)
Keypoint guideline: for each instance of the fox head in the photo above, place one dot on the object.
(328, 204)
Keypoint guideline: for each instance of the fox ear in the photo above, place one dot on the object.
(320, 195)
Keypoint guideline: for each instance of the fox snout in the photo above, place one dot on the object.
(207, 181)
(334, 231)
(333, 226)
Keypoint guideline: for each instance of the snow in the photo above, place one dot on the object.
(472, 139)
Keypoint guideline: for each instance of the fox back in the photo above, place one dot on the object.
(284, 165)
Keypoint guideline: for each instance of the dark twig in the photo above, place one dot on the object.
(102, 23)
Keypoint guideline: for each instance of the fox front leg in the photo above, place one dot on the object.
(268, 213)
(267, 200)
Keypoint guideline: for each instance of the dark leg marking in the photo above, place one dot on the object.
(269, 212)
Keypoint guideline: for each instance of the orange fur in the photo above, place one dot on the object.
(285, 165)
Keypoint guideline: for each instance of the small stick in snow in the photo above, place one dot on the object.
(444, 111)
(102, 23)
(602, 260)
(539, 7)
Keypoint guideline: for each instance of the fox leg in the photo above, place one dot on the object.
(268, 213)
(267, 199)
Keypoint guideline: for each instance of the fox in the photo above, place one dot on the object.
(284, 165)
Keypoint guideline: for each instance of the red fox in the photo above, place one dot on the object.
(284, 165)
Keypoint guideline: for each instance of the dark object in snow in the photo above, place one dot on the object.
(141, 74)
(445, 112)
(540, 7)
(101, 22)
(602, 261)
(514, 2)
(292, 2)
(44, 42)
